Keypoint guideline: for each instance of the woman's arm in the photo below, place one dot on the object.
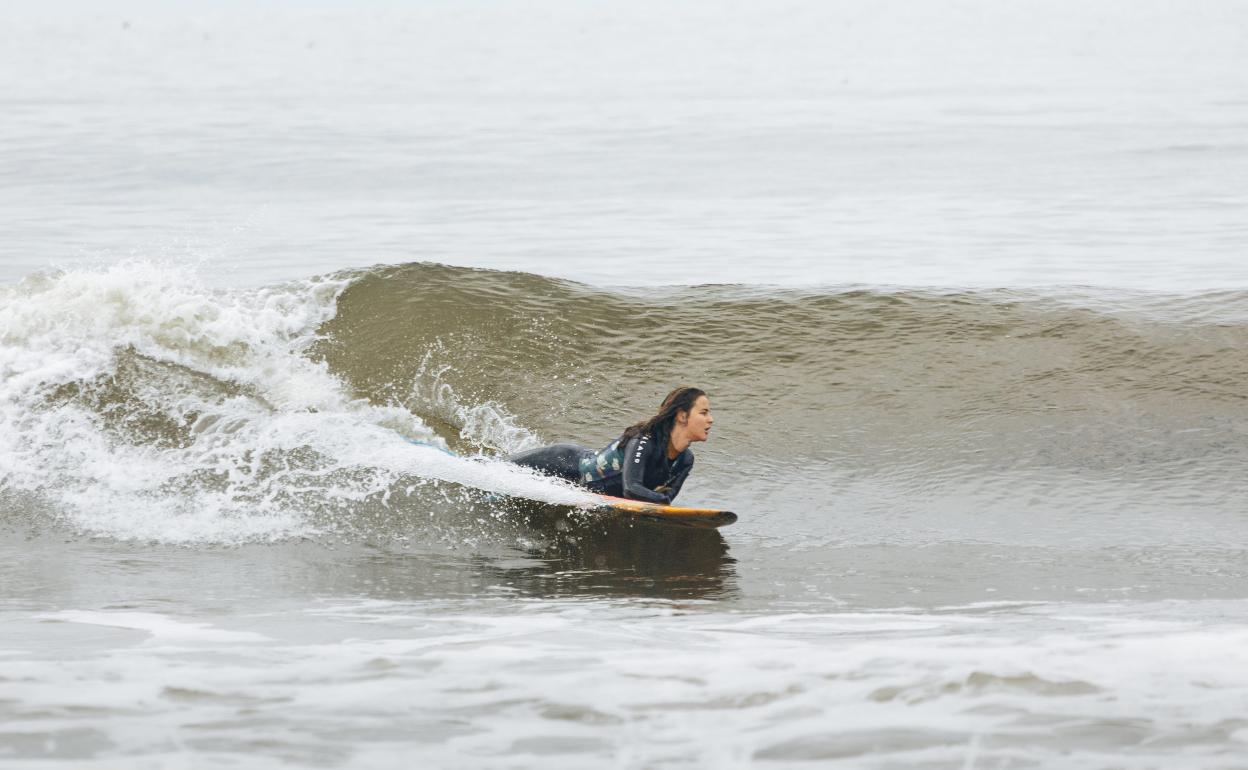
(673, 488)
(636, 457)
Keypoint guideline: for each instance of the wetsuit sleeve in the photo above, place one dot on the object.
(673, 489)
(636, 457)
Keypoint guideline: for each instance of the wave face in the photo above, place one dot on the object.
(140, 404)
(924, 400)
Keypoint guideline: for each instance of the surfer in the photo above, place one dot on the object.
(649, 461)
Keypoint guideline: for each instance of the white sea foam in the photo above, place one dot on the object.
(158, 627)
(263, 434)
(638, 686)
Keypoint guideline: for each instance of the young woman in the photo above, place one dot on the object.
(649, 461)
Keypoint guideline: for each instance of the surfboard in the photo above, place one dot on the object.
(672, 514)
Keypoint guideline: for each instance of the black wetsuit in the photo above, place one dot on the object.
(638, 470)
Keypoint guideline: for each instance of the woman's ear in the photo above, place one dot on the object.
(682, 417)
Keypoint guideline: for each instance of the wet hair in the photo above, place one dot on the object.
(659, 426)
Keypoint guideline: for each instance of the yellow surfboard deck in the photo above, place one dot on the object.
(690, 517)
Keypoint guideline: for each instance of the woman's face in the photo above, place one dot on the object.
(700, 419)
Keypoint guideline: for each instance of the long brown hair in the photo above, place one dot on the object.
(659, 426)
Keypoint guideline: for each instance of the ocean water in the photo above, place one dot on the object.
(967, 283)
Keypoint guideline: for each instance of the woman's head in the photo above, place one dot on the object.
(680, 406)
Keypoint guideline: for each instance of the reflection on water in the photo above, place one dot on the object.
(615, 556)
(524, 548)
(554, 553)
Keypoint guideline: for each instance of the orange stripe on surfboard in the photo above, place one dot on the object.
(705, 516)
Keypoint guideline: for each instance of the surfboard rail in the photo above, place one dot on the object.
(695, 517)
